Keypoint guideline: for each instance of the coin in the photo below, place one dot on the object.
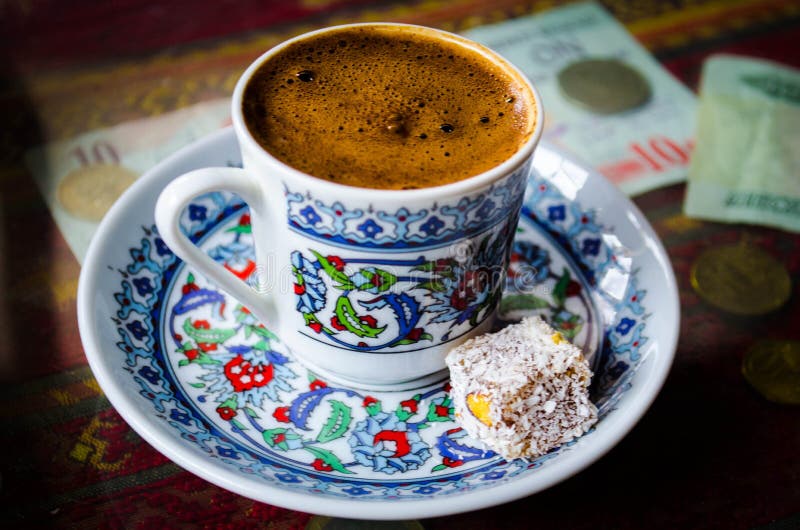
(741, 279)
(604, 86)
(773, 368)
(89, 191)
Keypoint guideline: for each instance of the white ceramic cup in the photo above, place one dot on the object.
(368, 286)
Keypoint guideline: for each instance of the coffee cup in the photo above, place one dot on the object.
(377, 249)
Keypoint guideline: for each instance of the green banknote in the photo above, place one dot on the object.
(746, 163)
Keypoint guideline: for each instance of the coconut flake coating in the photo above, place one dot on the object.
(522, 390)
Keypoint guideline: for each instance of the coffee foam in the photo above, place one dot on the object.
(387, 107)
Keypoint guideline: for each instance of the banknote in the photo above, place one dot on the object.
(746, 165)
(639, 134)
(80, 178)
(605, 98)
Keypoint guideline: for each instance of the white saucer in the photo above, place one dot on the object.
(201, 381)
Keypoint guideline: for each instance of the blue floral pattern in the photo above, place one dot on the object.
(387, 445)
(431, 226)
(309, 287)
(228, 386)
(421, 300)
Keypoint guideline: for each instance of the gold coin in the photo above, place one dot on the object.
(741, 279)
(773, 368)
(89, 191)
(604, 86)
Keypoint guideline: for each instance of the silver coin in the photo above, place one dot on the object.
(604, 86)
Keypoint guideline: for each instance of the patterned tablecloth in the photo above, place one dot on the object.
(710, 453)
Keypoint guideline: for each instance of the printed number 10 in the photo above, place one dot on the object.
(100, 153)
(661, 153)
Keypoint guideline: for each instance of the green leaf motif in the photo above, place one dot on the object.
(385, 280)
(337, 424)
(440, 411)
(328, 458)
(522, 302)
(351, 321)
(205, 359)
(560, 290)
(402, 415)
(311, 318)
(336, 275)
(202, 357)
(432, 285)
(426, 267)
(207, 336)
(241, 314)
(241, 229)
(569, 327)
(473, 320)
(570, 334)
(232, 403)
(444, 268)
(276, 438)
(374, 408)
(264, 332)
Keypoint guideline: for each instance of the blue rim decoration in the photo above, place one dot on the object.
(229, 387)
(404, 229)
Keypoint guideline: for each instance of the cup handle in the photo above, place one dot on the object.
(171, 204)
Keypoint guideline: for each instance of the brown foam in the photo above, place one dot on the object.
(387, 107)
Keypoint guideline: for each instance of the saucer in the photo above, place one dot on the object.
(199, 378)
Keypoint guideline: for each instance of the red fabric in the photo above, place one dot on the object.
(58, 33)
(710, 453)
